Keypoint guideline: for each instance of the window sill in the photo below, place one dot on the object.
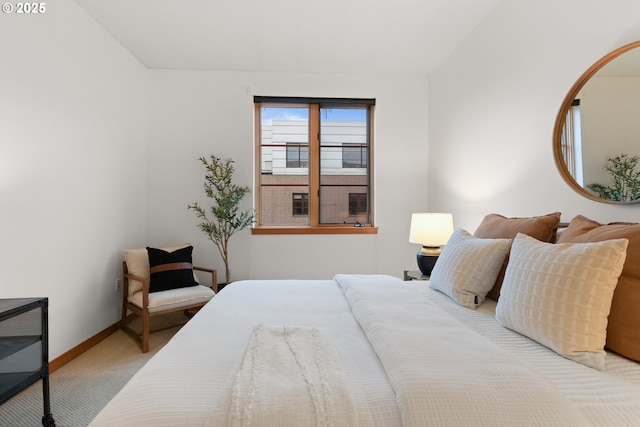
(313, 230)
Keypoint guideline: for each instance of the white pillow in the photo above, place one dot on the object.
(560, 294)
(468, 267)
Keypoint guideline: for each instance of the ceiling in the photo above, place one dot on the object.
(327, 36)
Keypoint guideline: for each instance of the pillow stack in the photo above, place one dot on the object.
(576, 293)
(168, 259)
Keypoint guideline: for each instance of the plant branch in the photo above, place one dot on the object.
(226, 218)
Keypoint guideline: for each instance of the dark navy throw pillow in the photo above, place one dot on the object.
(170, 270)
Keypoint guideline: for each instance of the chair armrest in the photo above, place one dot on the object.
(145, 287)
(134, 277)
(214, 276)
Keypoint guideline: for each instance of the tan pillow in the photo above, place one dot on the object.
(560, 294)
(468, 266)
(494, 226)
(623, 332)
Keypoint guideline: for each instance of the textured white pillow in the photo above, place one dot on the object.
(468, 267)
(560, 294)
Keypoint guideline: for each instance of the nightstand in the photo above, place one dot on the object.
(414, 275)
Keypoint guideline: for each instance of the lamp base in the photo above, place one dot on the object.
(427, 260)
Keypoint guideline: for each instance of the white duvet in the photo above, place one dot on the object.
(405, 357)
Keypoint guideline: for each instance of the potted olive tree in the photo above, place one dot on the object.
(226, 217)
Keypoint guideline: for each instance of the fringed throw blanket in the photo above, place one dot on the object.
(289, 376)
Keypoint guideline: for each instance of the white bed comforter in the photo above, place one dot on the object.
(406, 361)
(443, 373)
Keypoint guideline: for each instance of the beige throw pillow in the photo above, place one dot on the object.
(468, 266)
(560, 294)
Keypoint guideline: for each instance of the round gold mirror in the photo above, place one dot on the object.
(596, 138)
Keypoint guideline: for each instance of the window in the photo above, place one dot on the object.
(572, 142)
(354, 156)
(313, 165)
(300, 204)
(297, 155)
(357, 204)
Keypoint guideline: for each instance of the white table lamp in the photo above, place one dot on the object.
(432, 231)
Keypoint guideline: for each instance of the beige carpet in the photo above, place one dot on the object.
(82, 387)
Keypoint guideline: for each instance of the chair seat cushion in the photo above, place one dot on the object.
(174, 298)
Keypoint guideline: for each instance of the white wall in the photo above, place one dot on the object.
(494, 101)
(198, 113)
(73, 129)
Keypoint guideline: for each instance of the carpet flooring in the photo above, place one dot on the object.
(82, 387)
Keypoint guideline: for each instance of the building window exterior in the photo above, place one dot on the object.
(314, 165)
(354, 156)
(357, 204)
(297, 155)
(300, 203)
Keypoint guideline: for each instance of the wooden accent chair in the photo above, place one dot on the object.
(166, 285)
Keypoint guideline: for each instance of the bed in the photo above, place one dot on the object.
(373, 350)
(183, 382)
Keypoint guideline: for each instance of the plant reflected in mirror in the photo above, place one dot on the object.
(625, 179)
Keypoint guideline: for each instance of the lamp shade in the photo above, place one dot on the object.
(431, 229)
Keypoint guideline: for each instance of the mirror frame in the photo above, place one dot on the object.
(562, 114)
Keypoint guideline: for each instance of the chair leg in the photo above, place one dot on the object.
(145, 331)
(123, 321)
(125, 293)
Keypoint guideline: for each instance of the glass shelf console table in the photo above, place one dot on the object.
(24, 349)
